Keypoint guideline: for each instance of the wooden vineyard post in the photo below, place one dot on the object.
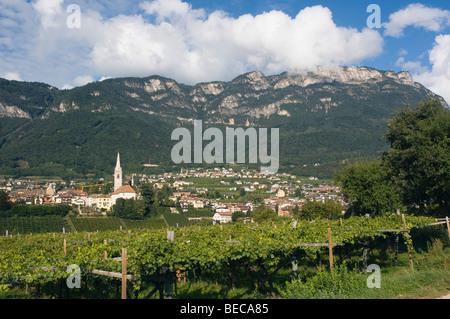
(407, 245)
(106, 252)
(64, 247)
(124, 273)
(178, 275)
(448, 227)
(330, 248)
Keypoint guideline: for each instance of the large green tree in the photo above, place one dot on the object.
(5, 203)
(263, 214)
(368, 187)
(148, 197)
(129, 208)
(418, 161)
(328, 209)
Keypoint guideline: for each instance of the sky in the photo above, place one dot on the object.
(68, 43)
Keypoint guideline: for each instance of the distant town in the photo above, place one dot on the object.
(280, 192)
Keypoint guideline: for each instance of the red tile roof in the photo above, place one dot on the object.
(124, 189)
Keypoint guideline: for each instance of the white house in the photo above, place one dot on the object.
(222, 217)
(125, 192)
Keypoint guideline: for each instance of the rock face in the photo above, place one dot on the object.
(346, 75)
(252, 95)
(12, 111)
(325, 115)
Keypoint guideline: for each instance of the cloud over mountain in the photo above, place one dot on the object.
(171, 38)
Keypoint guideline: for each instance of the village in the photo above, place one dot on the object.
(280, 192)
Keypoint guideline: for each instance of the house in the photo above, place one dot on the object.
(180, 184)
(101, 201)
(78, 202)
(63, 198)
(125, 192)
(281, 193)
(284, 212)
(222, 217)
(199, 204)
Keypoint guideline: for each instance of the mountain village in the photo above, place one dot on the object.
(280, 191)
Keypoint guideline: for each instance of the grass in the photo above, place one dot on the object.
(397, 282)
(429, 279)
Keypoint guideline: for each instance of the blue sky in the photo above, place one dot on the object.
(203, 40)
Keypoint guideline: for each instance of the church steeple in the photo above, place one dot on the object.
(118, 161)
(117, 174)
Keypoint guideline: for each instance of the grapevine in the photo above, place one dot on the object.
(40, 259)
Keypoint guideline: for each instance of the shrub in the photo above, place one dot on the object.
(340, 284)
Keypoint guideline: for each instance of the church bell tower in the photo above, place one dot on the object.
(117, 174)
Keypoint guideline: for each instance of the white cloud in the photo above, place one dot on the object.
(411, 66)
(438, 79)
(11, 76)
(78, 81)
(191, 46)
(172, 39)
(49, 11)
(83, 80)
(416, 15)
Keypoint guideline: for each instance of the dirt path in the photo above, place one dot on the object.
(445, 297)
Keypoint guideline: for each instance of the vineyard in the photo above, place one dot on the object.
(157, 259)
(35, 225)
(26, 225)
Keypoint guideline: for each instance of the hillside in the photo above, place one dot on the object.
(324, 117)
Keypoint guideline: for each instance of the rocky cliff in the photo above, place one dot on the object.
(324, 116)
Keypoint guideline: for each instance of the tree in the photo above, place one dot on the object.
(256, 197)
(296, 211)
(107, 188)
(129, 208)
(369, 188)
(5, 203)
(148, 198)
(262, 214)
(327, 209)
(162, 196)
(139, 209)
(418, 161)
(237, 215)
(118, 209)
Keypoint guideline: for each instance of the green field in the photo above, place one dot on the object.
(26, 225)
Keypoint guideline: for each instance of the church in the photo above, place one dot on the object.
(120, 191)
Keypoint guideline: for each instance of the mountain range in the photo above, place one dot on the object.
(324, 117)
